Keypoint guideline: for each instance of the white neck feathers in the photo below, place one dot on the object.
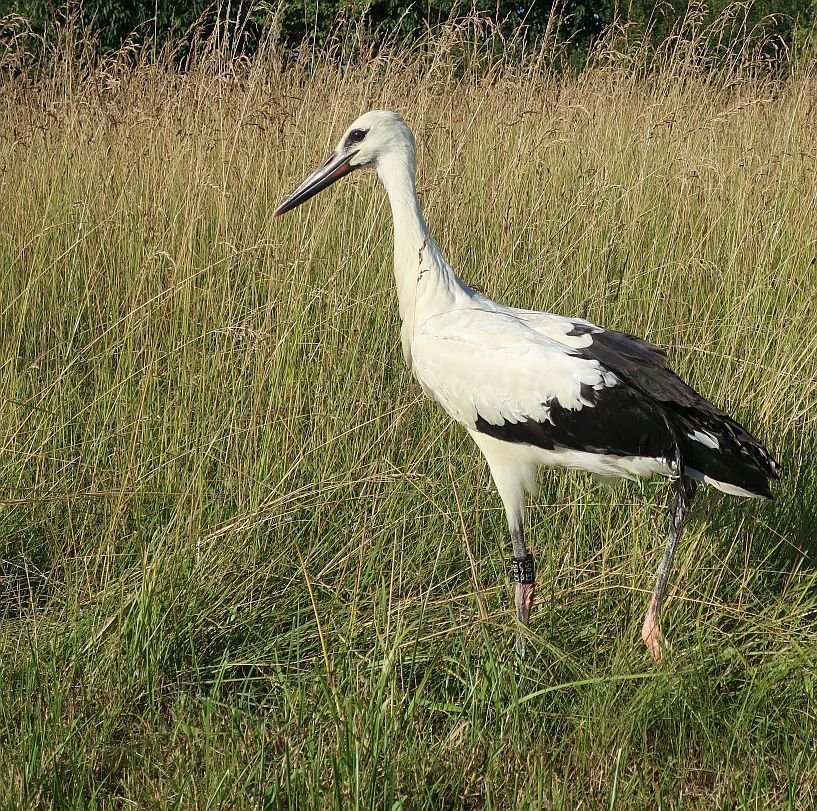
(426, 284)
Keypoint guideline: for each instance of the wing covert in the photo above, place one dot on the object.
(491, 365)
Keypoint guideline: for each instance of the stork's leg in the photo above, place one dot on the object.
(523, 572)
(651, 630)
(514, 476)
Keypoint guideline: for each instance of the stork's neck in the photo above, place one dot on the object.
(426, 284)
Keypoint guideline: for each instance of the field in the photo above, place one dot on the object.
(246, 565)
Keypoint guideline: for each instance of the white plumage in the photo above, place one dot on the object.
(490, 363)
(535, 389)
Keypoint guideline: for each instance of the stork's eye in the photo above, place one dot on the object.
(356, 136)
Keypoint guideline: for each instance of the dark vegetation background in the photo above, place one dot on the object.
(294, 24)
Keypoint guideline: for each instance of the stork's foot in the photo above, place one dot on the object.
(522, 576)
(651, 632)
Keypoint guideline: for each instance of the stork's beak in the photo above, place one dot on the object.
(332, 169)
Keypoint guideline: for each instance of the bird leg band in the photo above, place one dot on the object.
(522, 570)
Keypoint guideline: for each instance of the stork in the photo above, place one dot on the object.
(535, 389)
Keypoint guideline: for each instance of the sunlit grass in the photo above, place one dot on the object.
(244, 564)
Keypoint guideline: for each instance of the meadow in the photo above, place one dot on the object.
(246, 565)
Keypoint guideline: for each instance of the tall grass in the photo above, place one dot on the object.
(245, 564)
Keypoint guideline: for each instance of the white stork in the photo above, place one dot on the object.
(538, 389)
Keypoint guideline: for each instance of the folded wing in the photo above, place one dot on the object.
(558, 383)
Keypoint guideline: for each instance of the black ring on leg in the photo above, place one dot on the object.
(522, 570)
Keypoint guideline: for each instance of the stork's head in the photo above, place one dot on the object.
(369, 141)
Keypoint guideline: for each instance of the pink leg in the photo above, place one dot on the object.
(523, 597)
(651, 633)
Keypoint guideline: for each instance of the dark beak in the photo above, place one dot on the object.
(332, 169)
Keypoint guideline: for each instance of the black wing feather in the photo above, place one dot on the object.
(621, 422)
(740, 460)
(650, 413)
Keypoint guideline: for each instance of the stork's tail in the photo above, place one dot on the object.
(721, 452)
